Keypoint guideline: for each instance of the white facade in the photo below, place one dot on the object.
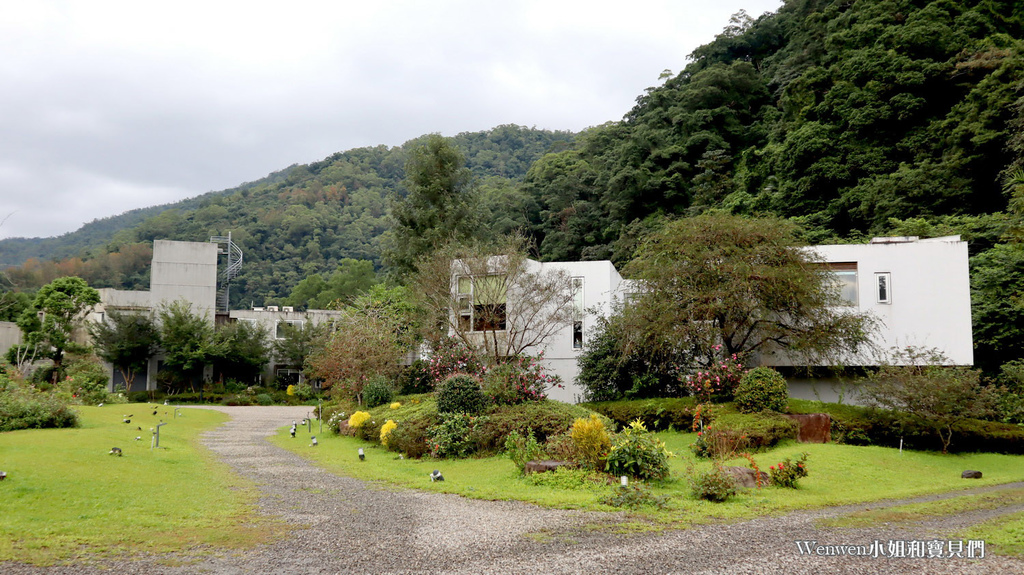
(918, 291)
(599, 285)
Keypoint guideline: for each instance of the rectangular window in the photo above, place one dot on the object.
(481, 303)
(281, 332)
(845, 276)
(577, 313)
(883, 283)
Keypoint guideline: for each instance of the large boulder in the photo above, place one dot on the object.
(746, 477)
(814, 427)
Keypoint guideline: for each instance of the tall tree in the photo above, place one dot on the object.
(439, 207)
(717, 285)
(240, 352)
(127, 341)
(187, 341)
(62, 303)
(492, 298)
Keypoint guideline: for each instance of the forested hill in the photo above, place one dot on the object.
(293, 223)
(852, 117)
(841, 114)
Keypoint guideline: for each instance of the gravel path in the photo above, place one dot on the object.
(348, 526)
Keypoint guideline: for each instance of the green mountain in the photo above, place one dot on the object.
(296, 222)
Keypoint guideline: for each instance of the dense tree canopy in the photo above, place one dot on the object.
(717, 285)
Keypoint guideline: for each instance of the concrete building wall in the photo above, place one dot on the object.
(185, 270)
(268, 320)
(10, 336)
(602, 285)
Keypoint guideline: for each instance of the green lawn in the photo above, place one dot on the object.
(839, 474)
(66, 496)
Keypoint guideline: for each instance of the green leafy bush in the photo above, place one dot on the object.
(592, 441)
(546, 418)
(416, 378)
(522, 449)
(637, 453)
(411, 437)
(455, 435)
(85, 381)
(762, 389)
(656, 414)
(713, 485)
(24, 408)
(460, 393)
(787, 472)
(265, 399)
(377, 391)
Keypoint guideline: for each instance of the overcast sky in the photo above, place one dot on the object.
(107, 106)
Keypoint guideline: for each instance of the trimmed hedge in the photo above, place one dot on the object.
(546, 418)
(763, 430)
(656, 414)
(857, 425)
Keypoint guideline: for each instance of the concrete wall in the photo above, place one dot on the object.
(185, 270)
(10, 336)
(267, 320)
(602, 285)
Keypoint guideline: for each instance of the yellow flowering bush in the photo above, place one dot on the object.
(396, 405)
(592, 441)
(386, 430)
(358, 419)
(290, 390)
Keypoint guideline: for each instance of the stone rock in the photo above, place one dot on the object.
(971, 474)
(544, 465)
(745, 477)
(814, 427)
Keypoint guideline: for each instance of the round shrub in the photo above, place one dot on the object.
(416, 378)
(517, 381)
(460, 393)
(264, 399)
(410, 438)
(592, 441)
(714, 485)
(377, 391)
(762, 389)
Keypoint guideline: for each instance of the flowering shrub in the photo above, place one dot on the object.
(637, 453)
(451, 356)
(396, 405)
(385, 431)
(454, 436)
(358, 419)
(521, 449)
(460, 393)
(290, 390)
(592, 441)
(718, 382)
(335, 420)
(762, 389)
(786, 473)
(714, 485)
(518, 380)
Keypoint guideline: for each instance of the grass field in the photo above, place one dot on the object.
(839, 474)
(66, 497)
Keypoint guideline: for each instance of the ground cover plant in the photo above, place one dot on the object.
(66, 496)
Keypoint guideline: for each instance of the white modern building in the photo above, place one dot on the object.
(918, 291)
